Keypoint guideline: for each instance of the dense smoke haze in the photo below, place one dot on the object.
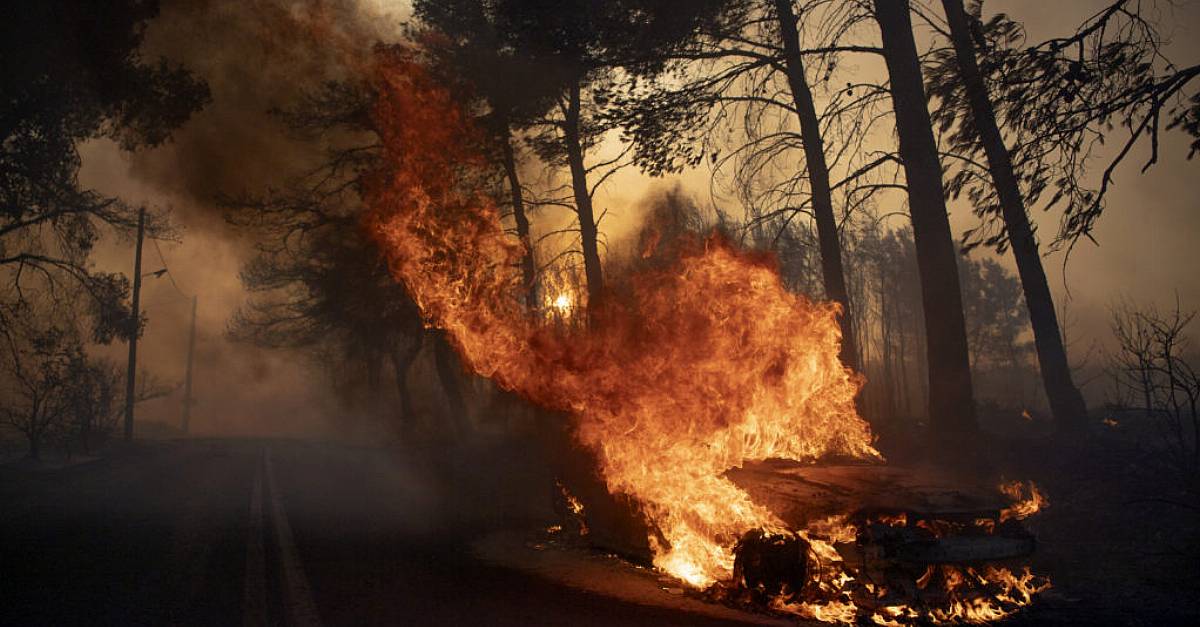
(261, 56)
(646, 312)
(256, 57)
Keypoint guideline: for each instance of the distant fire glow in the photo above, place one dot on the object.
(562, 303)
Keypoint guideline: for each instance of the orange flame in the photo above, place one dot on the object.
(695, 368)
(985, 594)
(686, 370)
(1027, 500)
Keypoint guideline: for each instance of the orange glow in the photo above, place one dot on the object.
(575, 506)
(694, 369)
(686, 369)
(1027, 500)
(985, 594)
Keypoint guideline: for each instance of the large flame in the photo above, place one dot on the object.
(687, 370)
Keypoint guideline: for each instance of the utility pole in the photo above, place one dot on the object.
(187, 383)
(133, 331)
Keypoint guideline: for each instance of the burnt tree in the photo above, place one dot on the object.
(1070, 412)
(951, 398)
(818, 178)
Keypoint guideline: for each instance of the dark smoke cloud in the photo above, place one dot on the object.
(261, 54)
(256, 55)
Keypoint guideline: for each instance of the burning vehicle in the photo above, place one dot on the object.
(855, 541)
(688, 367)
(908, 543)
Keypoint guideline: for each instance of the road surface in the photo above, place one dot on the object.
(243, 532)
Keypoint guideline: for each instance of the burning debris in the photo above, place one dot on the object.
(570, 509)
(683, 372)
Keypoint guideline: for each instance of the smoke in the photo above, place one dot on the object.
(256, 56)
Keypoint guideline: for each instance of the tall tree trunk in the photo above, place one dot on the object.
(402, 361)
(889, 382)
(35, 439)
(951, 399)
(448, 368)
(583, 197)
(1066, 402)
(818, 179)
(905, 391)
(374, 365)
(528, 271)
(85, 432)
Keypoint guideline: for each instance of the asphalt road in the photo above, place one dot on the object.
(240, 532)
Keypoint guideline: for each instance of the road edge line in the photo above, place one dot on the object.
(298, 602)
(254, 595)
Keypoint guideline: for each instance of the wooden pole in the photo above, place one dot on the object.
(135, 309)
(187, 385)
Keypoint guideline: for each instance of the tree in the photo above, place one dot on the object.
(951, 398)
(512, 90)
(50, 388)
(565, 39)
(38, 365)
(996, 319)
(748, 55)
(71, 71)
(1060, 102)
(581, 46)
(94, 399)
(320, 281)
(818, 177)
(1066, 402)
(1155, 369)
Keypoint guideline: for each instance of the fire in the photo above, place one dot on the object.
(696, 368)
(684, 370)
(1027, 500)
(981, 595)
(574, 506)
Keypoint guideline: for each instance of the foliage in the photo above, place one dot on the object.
(53, 391)
(1059, 101)
(317, 277)
(884, 289)
(318, 282)
(1155, 369)
(71, 71)
(723, 98)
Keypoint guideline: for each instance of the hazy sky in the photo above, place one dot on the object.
(254, 56)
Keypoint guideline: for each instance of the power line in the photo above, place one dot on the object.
(170, 275)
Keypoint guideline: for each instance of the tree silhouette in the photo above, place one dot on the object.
(580, 47)
(72, 71)
(749, 55)
(951, 397)
(468, 50)
(1066, 402)
(319, 280)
